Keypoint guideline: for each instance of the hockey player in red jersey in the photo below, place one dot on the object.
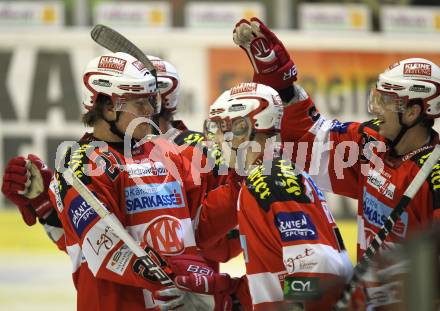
(142, 188)
(373, 162)
(293, 250)
(191, 145)
(165, 76)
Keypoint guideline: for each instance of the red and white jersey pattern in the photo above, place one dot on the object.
(147, 195)
(352, 159)
(292, 246)
(208, 213)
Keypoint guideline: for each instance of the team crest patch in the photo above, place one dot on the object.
(165, 234)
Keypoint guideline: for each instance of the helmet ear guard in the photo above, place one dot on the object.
(168, 82)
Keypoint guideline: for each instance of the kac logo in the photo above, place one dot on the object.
(165, 234)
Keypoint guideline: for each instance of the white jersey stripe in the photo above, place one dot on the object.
(265, 287)
(75, 254)
(321, 154)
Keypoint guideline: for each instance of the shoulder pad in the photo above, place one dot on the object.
(369, 132)
(278, 184)
(74, 159)
(421, 157)
(83, 153)
(433, 178)
(191, 138)
(371, 126)
(215, 153)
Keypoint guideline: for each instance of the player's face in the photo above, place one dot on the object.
(386, 107)
(233, 132)
(389, 126)
(139, 107)
(136, 117)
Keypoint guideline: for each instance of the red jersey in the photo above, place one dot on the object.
(217, 244)
(292, 247)
(148, 197)
(370, 173)
(376, 190)
(191, 145)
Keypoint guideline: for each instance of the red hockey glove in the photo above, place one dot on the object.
(270, 59)
(26, 184)
(193, 274)
(187, 264)
(220, 285)
(175, 298)
(217, 283)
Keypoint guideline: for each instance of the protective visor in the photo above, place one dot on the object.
(140, 105)
(237, 126)
(381, 101)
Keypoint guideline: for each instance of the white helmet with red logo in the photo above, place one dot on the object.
(413, 78)
(258, 102)
(168, 82)
(119, 76)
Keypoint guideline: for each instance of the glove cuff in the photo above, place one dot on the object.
(52, 220)
(42, 205)
(280, 79)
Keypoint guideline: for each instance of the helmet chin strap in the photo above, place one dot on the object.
(403, 129)
(113, 128)
(156, 121)
(250, 137)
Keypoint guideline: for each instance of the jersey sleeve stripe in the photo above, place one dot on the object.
(265, 287)
(97, 244)
(313, 258)
(75, 254)
(321, 154)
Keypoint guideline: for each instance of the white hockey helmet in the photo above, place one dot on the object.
(409, 79)
(121, 77)
(260, 103)
(168, 82)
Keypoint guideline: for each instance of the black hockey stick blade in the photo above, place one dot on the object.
(115, 42)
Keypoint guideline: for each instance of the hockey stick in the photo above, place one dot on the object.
(195, 301)
(115, 42)
(360, 269)
(118, 229)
